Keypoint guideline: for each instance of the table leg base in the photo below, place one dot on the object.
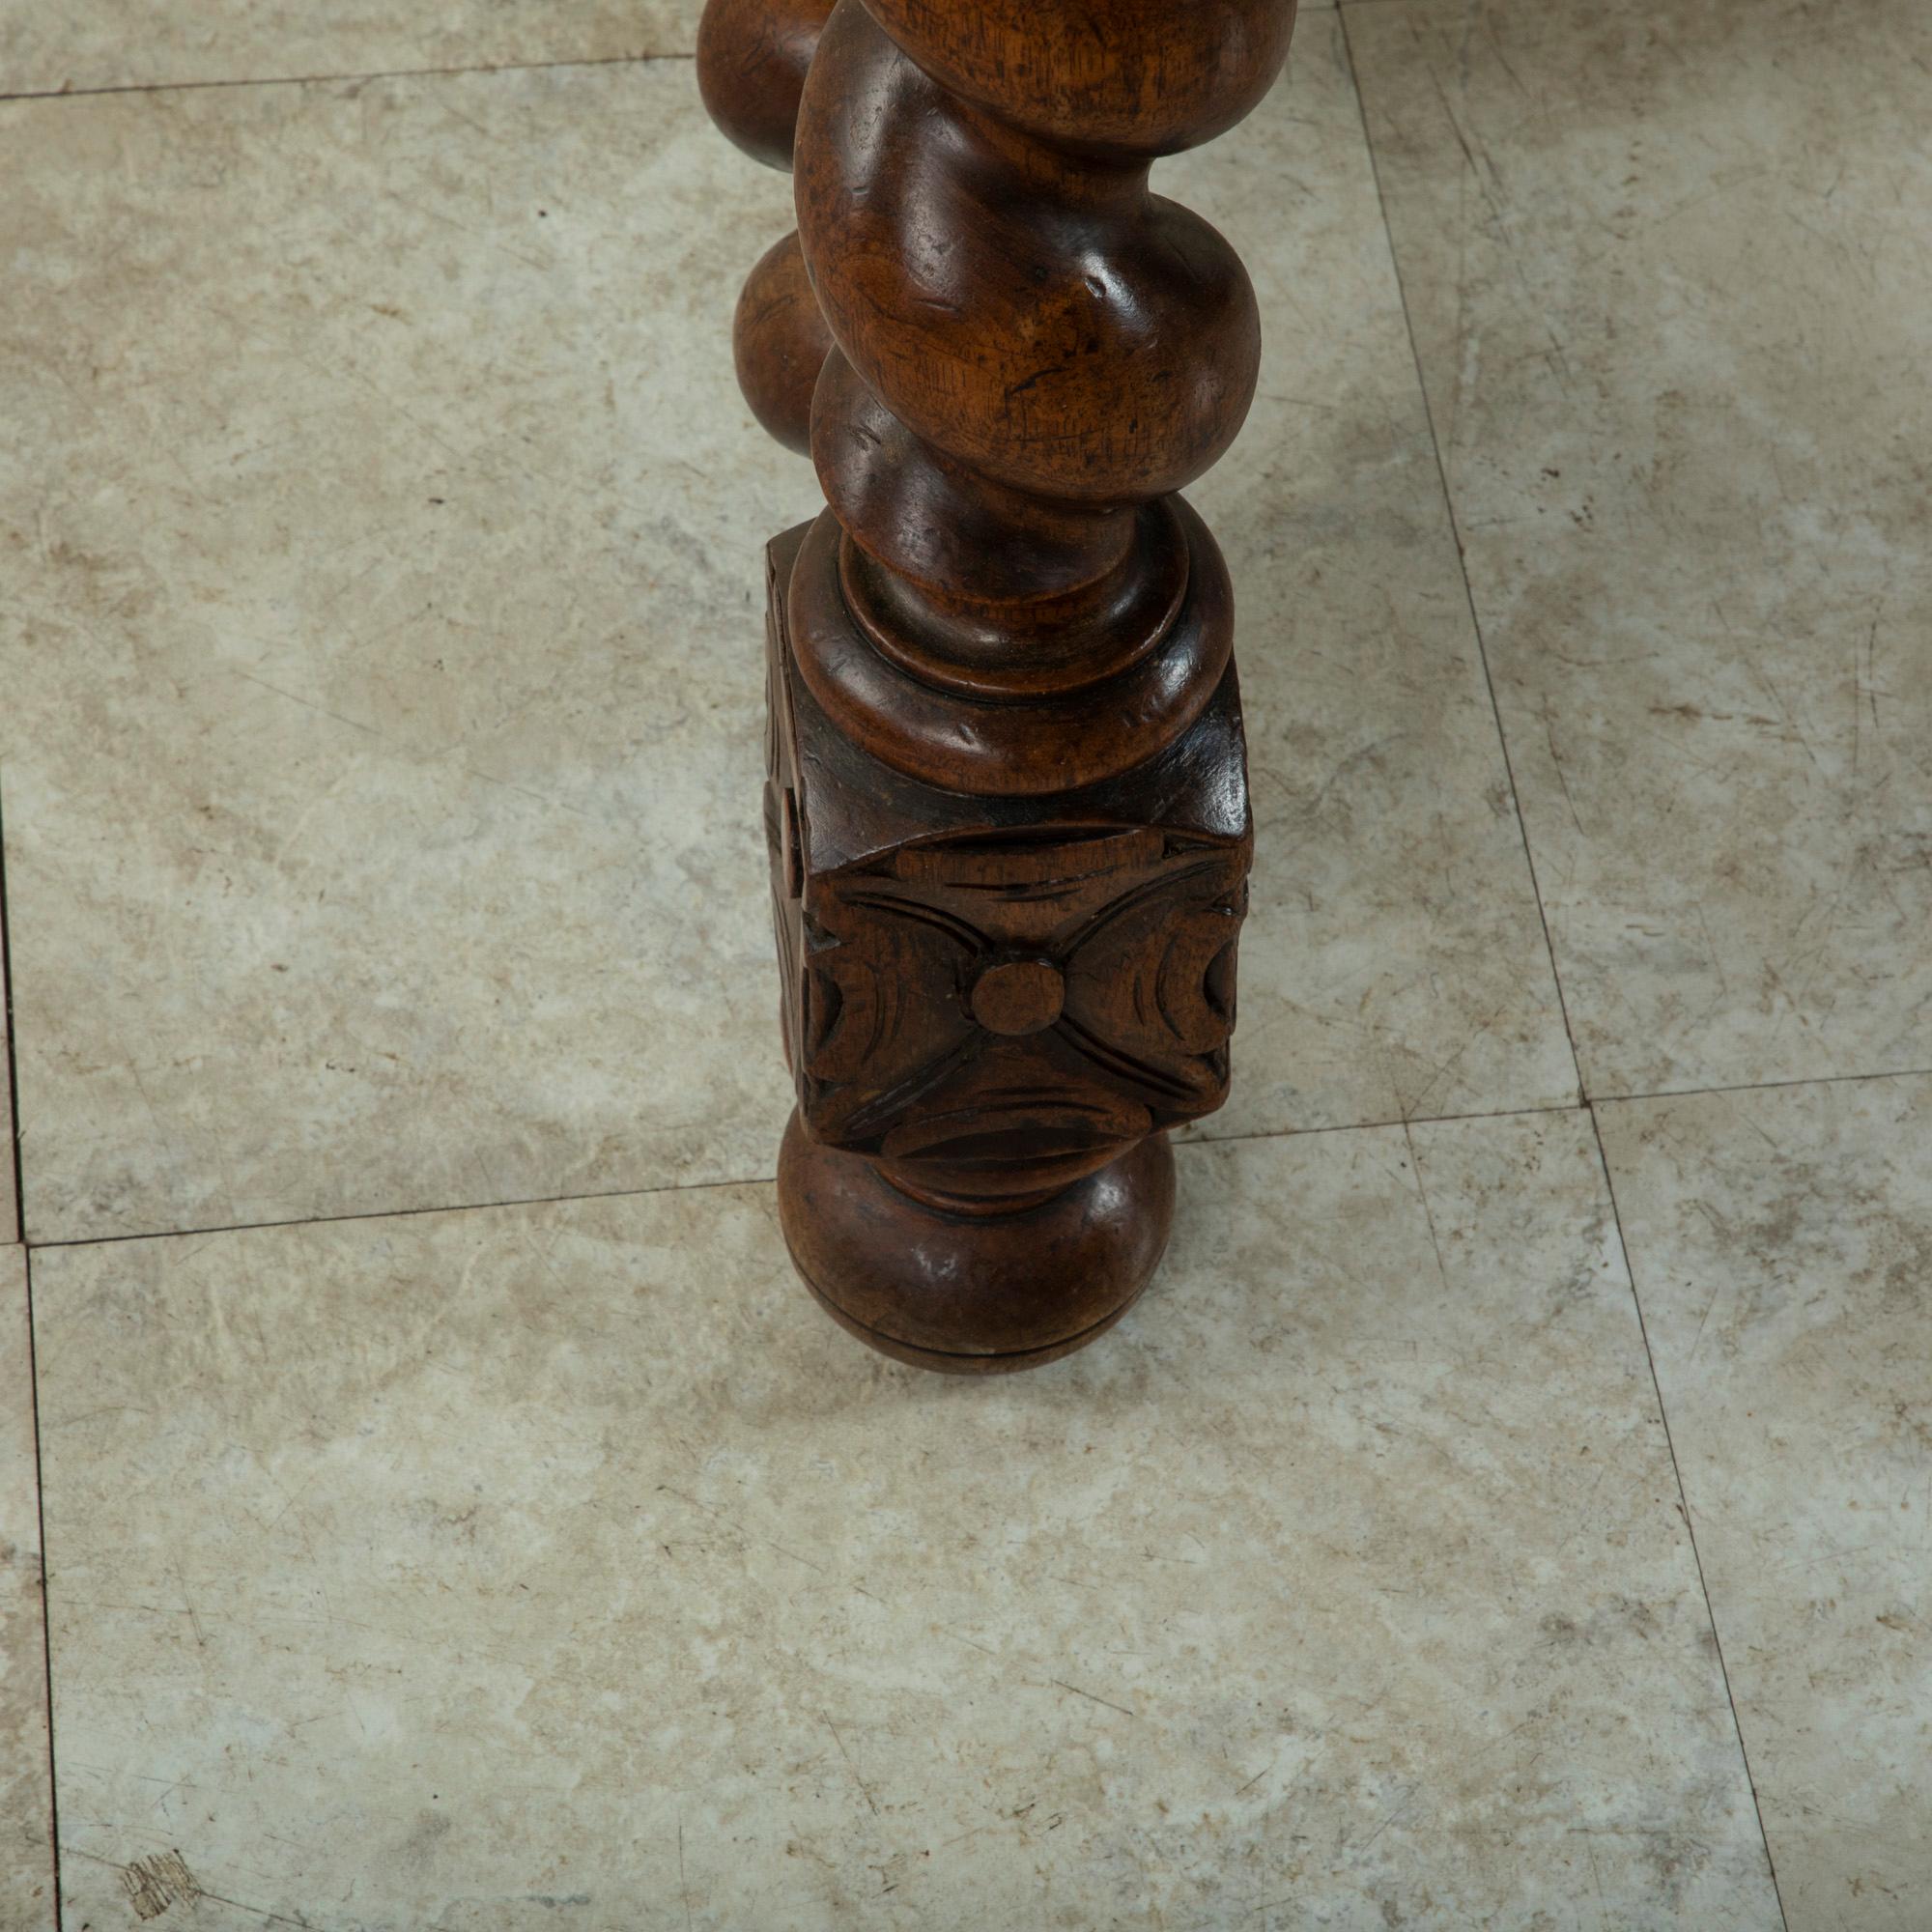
(973, 1294)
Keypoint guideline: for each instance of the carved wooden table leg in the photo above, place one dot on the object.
(1008, 807)
(752, 62)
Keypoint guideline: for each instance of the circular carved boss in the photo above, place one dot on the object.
(1017, 997)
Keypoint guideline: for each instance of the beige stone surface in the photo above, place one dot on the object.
(1395, 966)
(411, 1571)
(1667, 270)
(382, 747)
(380, 499)
(95, 43)
(26, 1785)
(379, 760)
(1783, 1247)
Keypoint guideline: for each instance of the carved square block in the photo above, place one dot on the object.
(978, 980)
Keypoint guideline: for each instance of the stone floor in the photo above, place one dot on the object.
(1512, 1507)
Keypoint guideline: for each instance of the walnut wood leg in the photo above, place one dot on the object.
(1007, 801)
(752, 56)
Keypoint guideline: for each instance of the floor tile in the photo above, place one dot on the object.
(1667, 271)
(382, 739)
(1782, 1249)
(1395, 965)
(90, 44)
(26, 1791)
(406, 1572)
(409, 564)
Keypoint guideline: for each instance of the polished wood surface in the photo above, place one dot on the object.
(1007, 799)
(753, 57)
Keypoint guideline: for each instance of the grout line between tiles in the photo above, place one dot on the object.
(700, 1186)
(1374, 1127)
(405, 1213)
(32, 1376)
(1462, 558)
(1684, 1504)
(1760, 1086)
(7, 1043)
(47, 1618)
(320, 79)
(1381, 1125)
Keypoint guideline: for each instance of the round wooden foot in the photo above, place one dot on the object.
(973, 1294)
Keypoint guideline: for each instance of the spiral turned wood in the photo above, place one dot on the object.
(1035, 354)
(1008, 803)
(752, 61)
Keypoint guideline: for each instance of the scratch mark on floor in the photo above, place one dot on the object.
(849, 1764)
(1093, 1699)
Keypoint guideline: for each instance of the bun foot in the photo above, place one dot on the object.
(974, 1292)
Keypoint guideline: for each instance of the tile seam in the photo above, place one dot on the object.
(329, 79)
(1461, 560)
(1684, 1505)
